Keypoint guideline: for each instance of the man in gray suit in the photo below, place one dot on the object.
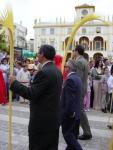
(82, 71)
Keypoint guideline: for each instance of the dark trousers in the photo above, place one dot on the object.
(84, 120)
(70, 130)
(91, 97)
(44, 140)
(110, 103)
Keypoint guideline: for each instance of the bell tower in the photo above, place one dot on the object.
(83, 10)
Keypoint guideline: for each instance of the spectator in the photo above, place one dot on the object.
(82, 72)
(70, 107)
(110, 91)
(44, 96)
(88, 93)
(58, 61)
(104, 89)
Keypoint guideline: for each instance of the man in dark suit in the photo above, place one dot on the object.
(70, 107)
(82, 71)
(44, 96)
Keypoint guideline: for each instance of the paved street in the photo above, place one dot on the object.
(98, 122)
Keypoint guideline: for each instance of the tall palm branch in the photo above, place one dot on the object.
(6, 20)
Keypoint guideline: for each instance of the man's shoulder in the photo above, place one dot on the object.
(48, 68)
(82, 62)
(74, 81)
(82, 59)
(74, 76)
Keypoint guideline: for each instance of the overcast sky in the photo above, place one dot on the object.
(28, 10)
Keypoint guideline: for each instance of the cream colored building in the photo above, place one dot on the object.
(30, 45)
(20, 33)
(96, 36)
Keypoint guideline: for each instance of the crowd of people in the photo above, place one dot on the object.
(58, 99)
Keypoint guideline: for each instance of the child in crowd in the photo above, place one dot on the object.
(24, 78)
(87, 96)
(110, 91)
(104, 89)
(3, 98)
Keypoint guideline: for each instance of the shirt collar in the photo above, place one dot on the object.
(46, 63)
(80, 56)
(70, 74)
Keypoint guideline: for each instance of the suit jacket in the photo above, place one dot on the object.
(82, 71)
(71, 97)
(44, 96)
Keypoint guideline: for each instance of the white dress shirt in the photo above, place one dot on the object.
(110, 84)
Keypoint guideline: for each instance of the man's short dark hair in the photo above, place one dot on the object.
(80, 49)
(48, 51)
(19, 63)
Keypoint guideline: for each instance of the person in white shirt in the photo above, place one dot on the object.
(107, 64)
(110, 90)
(104, 90)
(4, 66)
(18, 68)
(88, 93)
(23, 76)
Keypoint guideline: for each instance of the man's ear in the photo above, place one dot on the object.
(41, 55)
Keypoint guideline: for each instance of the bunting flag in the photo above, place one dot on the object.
(6, 20)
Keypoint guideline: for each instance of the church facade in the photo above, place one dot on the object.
(96, 36)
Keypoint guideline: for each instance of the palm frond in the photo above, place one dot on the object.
(6, 18)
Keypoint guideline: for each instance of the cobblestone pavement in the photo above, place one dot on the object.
(98, 122)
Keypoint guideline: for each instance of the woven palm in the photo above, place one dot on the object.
(6, 18)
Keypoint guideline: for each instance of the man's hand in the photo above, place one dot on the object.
(12, 78)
